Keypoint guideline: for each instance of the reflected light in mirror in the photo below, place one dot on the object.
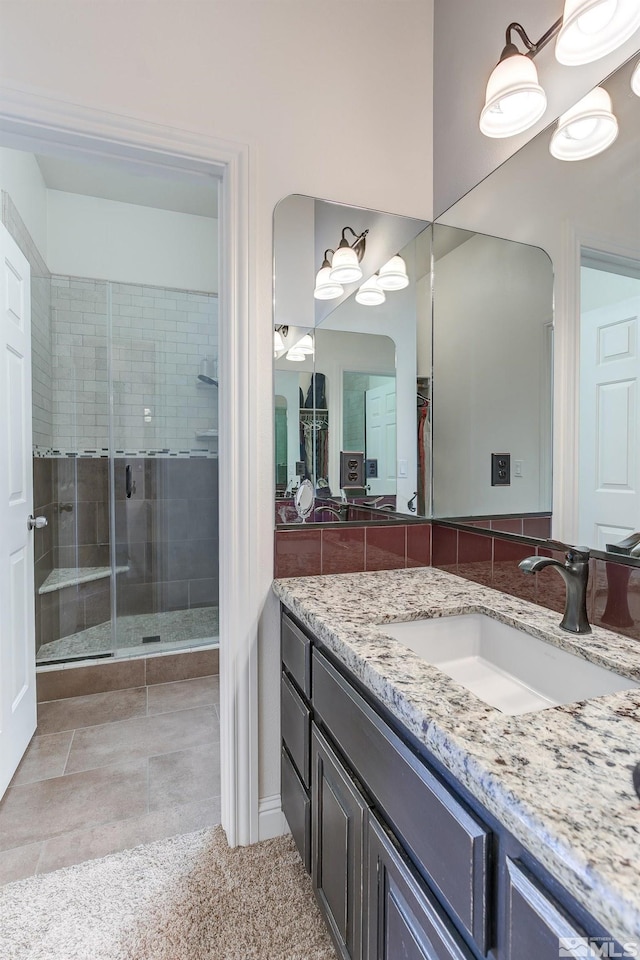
(305, 345)
(371, 293)
(515, 100)
(295, 355)
(326, 288)
(593, 28)
(393, 275)
(278, 342)
(585, 130)
(345, 266)
(635, 80)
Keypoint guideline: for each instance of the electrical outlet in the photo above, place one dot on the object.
(500, 469)
(371, 469)
(351, 469)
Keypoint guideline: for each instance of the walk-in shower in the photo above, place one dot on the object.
(125, 424)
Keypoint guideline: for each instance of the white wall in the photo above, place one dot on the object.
(468, 41)
(492, 300)
(109, 240)
(20, 176)
(269, 74)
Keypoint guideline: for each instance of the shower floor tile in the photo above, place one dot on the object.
(176, 629)
(93, 788)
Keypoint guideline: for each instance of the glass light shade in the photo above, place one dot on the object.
(297, 356)
(345, 267)
(585, 130)
(326, 288)
(393, 275)
(305, 345)
(593, 28)
(635, 80)
(278, 342)
(515, 100)
(370, 293)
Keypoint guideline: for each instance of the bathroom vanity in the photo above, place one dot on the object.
(433, 824)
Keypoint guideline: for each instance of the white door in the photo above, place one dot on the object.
(380, 437)
(609, 504)
(17, 612)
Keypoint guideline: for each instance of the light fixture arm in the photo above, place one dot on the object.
(532, 48)
(358, 244)
(326, 262)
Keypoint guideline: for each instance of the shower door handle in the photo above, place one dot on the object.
(36, 523)
(128, 481)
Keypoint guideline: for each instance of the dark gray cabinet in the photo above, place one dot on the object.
(338, 820)
(405, 866)
(404, 920)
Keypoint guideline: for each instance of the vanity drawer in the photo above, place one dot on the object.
(296, 653)
(446, 840)
(296, 807)
(295, 723)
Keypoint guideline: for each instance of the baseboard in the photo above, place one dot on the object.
(271, 821)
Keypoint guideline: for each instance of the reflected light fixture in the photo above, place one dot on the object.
(393, 275)
(585, 130)
(635, 80)
(297, 356)
(593, 28)
(371, 293)
(345, 265)
(326, 288)
(278, 343)
(305, 345)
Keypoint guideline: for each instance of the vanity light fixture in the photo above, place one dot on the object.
(585, 130)
(371, 293)
(593, 28)
(635, 80)
(587, 30)
(326, 288)
(345, 265)
(514, 99)
(393, 275)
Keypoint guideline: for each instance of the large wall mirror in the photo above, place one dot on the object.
(585, 214)
(536, 269)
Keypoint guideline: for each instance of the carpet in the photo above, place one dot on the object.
(187, 898)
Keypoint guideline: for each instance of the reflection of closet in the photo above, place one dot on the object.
(424, 445)
(314, 442)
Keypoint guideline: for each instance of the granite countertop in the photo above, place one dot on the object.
(558, 779)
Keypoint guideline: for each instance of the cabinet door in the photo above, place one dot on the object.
(338, 815)
(403, 918)
(537, 927)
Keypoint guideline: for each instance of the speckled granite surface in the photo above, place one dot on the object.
(559, 780)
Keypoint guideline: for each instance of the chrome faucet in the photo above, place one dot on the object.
(575, 573)
(338, 514)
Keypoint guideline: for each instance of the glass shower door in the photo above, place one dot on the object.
(164, 416)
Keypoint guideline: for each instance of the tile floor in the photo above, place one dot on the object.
(108, 771)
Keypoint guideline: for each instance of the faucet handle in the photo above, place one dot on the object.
(572, 553)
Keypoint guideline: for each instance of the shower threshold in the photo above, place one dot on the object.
(176, 629)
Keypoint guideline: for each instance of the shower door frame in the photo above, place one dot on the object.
(34, 122)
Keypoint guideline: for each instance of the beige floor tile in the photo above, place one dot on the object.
(183, 694)
(19, 863)
(142, 737)
(184, 776)
(91, 710)
(80, 845)
(45, 758)
(35, 811)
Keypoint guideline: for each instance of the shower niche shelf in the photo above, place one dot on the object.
(63, 577)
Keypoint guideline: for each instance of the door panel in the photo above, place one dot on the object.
(380, 424)
(17, 613)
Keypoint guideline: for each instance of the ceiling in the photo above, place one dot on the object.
(180, 192)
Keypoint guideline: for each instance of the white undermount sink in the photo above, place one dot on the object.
(505, 667)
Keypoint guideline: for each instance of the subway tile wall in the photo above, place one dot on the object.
(159, 339)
